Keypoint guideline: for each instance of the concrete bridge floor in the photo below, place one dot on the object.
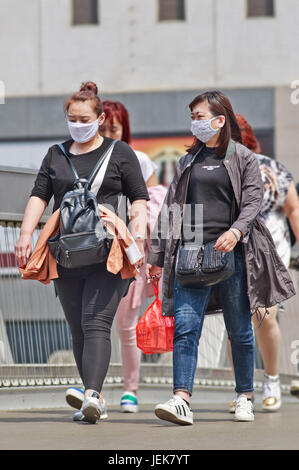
(213, 428)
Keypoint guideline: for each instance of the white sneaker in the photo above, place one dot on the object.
(244, 409)
(74, 397)
(175, 410)
(79, 416)
(271, 393)
(232, 405)
(92, 408)
(295, 388)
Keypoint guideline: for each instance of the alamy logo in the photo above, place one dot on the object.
(295, 94)
(295, 354)
(2, 92)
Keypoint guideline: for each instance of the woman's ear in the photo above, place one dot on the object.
(101, 119)
(221, 121)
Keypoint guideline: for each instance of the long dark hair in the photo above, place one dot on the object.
(219, 104)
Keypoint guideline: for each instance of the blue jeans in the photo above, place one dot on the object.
(189, 311)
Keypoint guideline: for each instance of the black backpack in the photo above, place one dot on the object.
(82, 239)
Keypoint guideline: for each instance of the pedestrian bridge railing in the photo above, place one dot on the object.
(35, 341)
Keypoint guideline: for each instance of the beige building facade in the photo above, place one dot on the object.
(155, 67)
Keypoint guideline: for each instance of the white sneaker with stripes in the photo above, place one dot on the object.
(175, 410)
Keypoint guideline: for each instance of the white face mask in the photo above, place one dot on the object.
(203, 129)
(83, 132)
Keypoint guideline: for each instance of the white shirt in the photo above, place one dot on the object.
(148, 167)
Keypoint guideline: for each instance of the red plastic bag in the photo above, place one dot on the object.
(153, 331)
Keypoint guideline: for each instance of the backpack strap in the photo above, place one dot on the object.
(69, 161)
(96, 178)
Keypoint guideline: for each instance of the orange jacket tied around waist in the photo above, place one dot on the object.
(42, 266)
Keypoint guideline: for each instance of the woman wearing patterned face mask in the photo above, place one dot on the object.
(223, 177)
(89, 295)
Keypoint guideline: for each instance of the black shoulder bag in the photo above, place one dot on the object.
(82, 239)
(202, 265)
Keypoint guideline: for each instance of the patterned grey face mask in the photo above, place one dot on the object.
(203, 129)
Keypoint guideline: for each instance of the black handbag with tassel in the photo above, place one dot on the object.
(198, 266)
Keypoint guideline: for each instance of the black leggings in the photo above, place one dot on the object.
(90, 303)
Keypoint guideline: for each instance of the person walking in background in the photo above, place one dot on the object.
(280, 204)
(89, 295)
(223, 174)
(117, 126)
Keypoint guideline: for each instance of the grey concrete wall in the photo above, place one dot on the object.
(150, 113)
(41, 122)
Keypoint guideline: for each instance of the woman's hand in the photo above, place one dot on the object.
(23, 248)
(226, 242)
(153, 273)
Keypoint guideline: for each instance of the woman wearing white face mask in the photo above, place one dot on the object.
(89, 295)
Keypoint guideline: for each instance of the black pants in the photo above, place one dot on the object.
(90, 301)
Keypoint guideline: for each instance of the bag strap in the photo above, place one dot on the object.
(96, 168)
(191, 165)
(107, 154)
(69, 161)
(155, 288)
(186, 190)
(98, 174)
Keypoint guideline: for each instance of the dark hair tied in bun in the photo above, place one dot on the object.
(89, 86)
(88, 92)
